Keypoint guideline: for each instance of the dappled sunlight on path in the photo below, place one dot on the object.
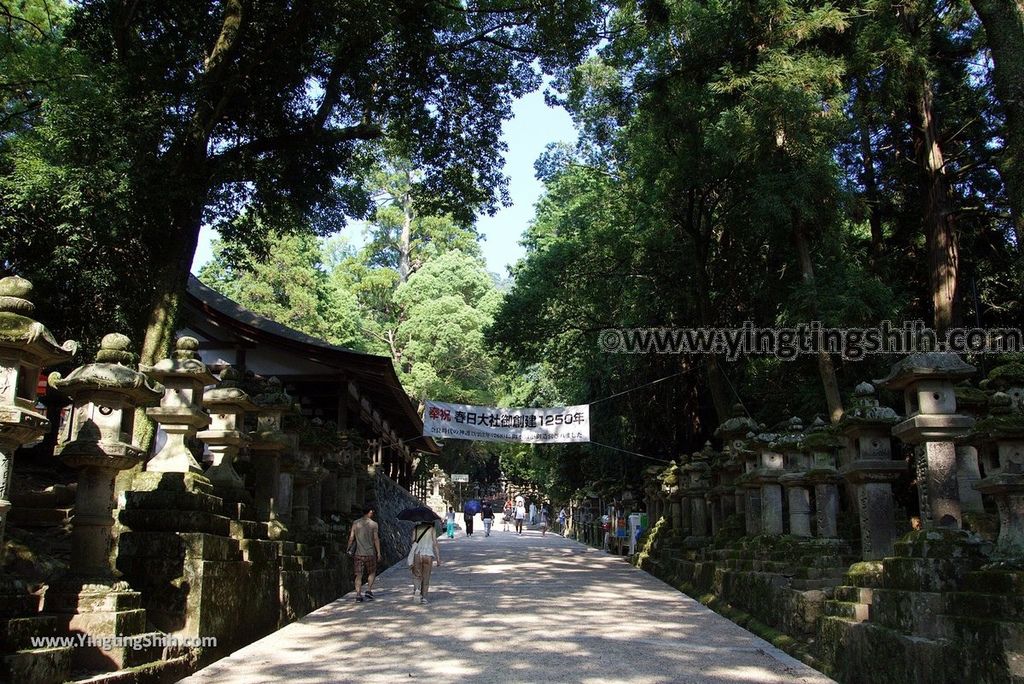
(507, 608)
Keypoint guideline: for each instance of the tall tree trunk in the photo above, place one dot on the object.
(826, 370)
(1004, 28)
(939, 222)
(405, 241)
(867, 175)
(715, 375)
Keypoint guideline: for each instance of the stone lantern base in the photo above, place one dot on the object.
(111, 619)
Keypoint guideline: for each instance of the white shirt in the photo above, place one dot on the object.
(520, 512)
(425, 546)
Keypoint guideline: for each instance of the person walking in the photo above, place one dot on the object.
(450, 522)
(562, 518)
(543, 521)
(487, 515)
(425, 552)
(467, 517)
(506, 516)
(367, 540)
(520, 516)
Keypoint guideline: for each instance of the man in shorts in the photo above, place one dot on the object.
(364, 534)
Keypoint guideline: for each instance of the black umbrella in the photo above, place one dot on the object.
(418, 514)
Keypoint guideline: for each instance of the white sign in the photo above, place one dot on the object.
(460, 477)
(490, 424)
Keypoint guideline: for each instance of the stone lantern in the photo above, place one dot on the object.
(974, 403)
(180, 413)
(26, 347)
(733, 434)
(268, 442)
(671, 492)
(795, 481)
(226, 405)
(821, 445)
(698, 471)
(97, 439)
(770, 467)
(1004, 428)
(871, 470)
(928, 381)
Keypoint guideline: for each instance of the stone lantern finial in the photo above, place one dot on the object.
(116, 348)
(14, 292)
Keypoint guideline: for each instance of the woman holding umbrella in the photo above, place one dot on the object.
(471, 508)
(425, 552)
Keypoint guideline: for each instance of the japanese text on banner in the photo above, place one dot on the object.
(526, 425)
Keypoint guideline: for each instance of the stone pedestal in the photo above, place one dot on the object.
(1008, 492)
(798, 496)
(180, 413)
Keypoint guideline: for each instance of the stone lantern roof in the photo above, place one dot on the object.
(866, 410)
(821, 437)
(183, 362)
(738, 426)
(926, 366)
(111, 372)
(28, 336)
(229, 392)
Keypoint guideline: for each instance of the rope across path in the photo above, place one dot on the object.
(507, 608)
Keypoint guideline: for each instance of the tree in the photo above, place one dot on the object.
(267, 108)
(291, 287)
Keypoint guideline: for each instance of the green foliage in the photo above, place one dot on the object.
(290, 287)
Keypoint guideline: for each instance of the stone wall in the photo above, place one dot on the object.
(391, 499)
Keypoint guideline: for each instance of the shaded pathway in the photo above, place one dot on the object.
(515, 609)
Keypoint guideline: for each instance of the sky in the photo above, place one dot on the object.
(533, 126)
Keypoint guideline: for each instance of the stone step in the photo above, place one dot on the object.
(17, 633)
(854, 612)
(866, 574)
(854, 594)
(248, 529)
(172, 520)
(910, 612)
(20, 516)
(37, 665)
(995, 582)
(813, 584)
(989, 606)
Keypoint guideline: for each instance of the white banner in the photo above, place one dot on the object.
(490, 424)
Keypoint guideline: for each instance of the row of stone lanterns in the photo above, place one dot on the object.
(759, 469)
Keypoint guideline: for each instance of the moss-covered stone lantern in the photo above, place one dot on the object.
(733, 433)
(928, 381)
(180, 413)
(97, 439)
(869, 467)
(26, 347)
(225, 436)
